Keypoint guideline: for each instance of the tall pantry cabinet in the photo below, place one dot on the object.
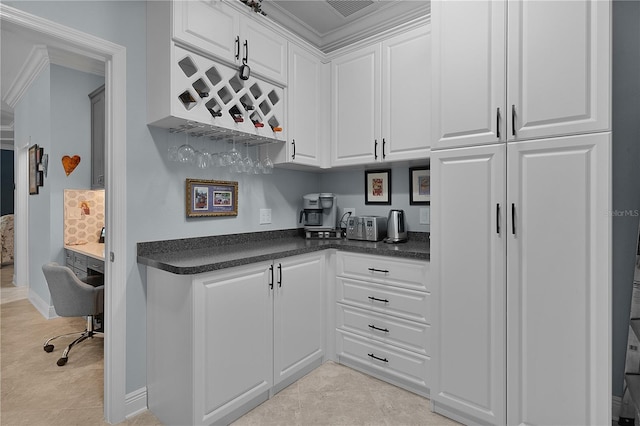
(520, 162)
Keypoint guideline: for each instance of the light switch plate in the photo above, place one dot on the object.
(265, 216)
(424, 216)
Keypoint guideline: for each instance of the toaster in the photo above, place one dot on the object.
(366, 228)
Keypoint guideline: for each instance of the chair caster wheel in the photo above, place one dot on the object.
(62, 361)
(48, 348)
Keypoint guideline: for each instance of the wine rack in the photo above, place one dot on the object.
(212, 94)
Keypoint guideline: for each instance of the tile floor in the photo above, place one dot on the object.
(34, 391)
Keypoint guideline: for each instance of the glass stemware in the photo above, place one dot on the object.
(267, 164)
(247, 162)
(186, 153)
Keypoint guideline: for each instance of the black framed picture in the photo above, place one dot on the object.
(377, 187)
(419, 186)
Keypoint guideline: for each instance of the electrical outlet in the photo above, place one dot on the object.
(265, 216)
(424, 216)
(347, 210)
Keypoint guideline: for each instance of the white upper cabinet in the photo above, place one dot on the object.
(355, 107)
(558, 68)
(468, 76)
(307, 109)
(211, 26)
(556, 58)
(406, 95)
(381, 101)
(217, 28)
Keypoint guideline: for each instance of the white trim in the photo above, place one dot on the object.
(114, 56)
(43, 307)
(37, 61)
(616, 403)
(136, 402)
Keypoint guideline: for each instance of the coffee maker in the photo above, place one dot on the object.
(319, 215)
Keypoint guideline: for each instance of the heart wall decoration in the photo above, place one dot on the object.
(70, 163)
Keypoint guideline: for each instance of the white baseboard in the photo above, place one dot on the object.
(135, 402)
(616, 403)
(43, 307)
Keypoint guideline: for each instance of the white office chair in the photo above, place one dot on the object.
(74, 298)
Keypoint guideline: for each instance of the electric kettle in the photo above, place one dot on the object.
(396, 227)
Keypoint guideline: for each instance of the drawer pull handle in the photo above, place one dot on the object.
(379, 359)
(379, 270)
(378, 300)
(378, 328)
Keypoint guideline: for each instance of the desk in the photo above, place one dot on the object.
(86, 259)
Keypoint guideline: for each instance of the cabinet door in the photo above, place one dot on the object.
(207, 25)
(468, 72)
(559, 285)
(97, 138)
(468, 264)
(298, 314)
(305, 102)
(355, 89)
(558, 68)
(406, 96)
(264, 50)
(233, 341)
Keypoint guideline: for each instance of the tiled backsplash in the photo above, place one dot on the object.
(83, 215)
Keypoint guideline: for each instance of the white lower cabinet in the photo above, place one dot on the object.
(220, 343)
(522, 295)
(383, 318)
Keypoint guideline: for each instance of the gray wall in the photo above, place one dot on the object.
(626, 173)
(349, 189)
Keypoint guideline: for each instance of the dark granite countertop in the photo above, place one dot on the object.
(204, 254)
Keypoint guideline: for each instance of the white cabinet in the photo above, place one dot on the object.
(381, 101)
(540, 334)
(383, 316)
(355, 107)
(190, 84)
(220, 343)
(468, 261)
(558, 275)
(406, 95)
(299, 314)
(557, 63)
(307, 105)
(219, 29)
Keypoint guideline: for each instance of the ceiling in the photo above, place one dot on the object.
(326, 24)
(332, 24)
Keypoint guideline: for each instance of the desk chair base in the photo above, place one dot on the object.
(83, 335)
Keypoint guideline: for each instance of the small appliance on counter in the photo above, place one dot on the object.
(396, 227)
(366, 228)
(319, 215)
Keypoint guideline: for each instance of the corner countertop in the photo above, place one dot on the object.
(93, 250)
(206, 254)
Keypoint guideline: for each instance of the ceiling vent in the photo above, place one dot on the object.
(349, 7)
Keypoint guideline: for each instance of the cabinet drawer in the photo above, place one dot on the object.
(404, 303)
(408, 335)
(80, 262)
(94, 264)
(69, 258)
(399, 364)
(397, 271)
(80, 273)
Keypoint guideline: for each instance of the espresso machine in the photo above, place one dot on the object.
(319, 216)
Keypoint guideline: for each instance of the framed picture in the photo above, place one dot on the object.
(211, 198)
(419, 186)
(377, 187)
(33, 169)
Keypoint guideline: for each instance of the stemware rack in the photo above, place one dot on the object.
(210, 97)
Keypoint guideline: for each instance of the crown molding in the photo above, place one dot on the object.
(35, 63)
(79, 63)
